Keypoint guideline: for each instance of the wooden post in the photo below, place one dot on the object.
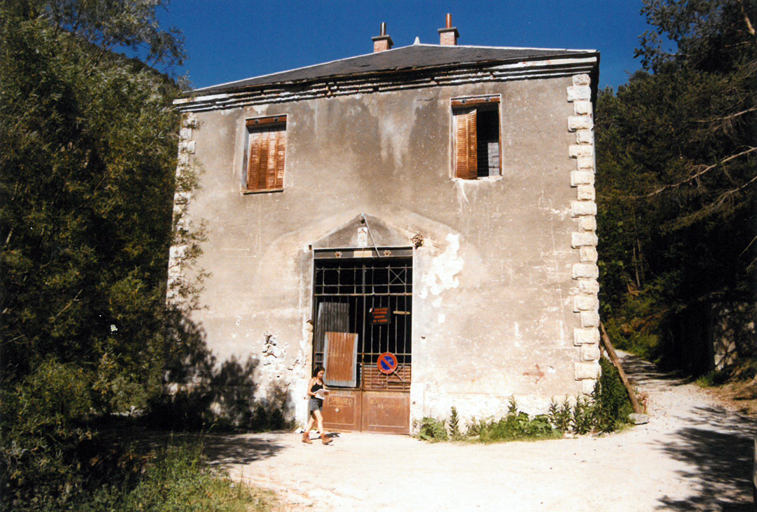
(616, 362)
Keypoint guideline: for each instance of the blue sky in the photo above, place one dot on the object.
(235, 39)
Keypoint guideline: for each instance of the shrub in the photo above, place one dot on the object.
(611, 403)
(432, 430)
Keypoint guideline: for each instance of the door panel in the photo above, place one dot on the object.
(386, 411)
(342, 410)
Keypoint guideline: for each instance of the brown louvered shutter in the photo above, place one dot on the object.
(281, 145)
(466, 141)
(253, 165)
(341, 359)
(267, 153)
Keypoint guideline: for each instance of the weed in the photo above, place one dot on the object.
(432, 430)
(454, 425)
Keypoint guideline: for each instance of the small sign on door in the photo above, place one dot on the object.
(381, 316)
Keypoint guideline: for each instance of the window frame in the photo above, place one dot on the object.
(269, 124)
(473, 104)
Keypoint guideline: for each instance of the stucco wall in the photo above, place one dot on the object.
(493, 305)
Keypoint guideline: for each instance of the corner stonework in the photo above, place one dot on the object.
(584, 240)
(180, 205)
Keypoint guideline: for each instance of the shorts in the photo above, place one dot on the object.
(316, 404)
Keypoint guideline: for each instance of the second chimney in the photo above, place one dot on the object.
(448, 35)
(383, 42)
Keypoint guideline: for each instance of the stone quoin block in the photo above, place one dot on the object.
(587, 371)
(583, 239)
(586, 193)
(579, 92)
(190, 147)
(588, 255)
(185, 134)
(585, 303)
(585, 162)
(582, 79)
(590, 352)
(582, 107)
(588, 286)
(588, 385)
(189, 121)
(585, 271)
(578, 208)
(577, 150)
(587, 223)
(589, 319)
(581, 178)
(585, 336)
(585, 136)
(580, 123)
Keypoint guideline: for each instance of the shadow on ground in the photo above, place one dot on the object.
(721, 462)
(717, 446)
(239, 449)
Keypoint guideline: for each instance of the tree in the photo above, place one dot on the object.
(86, 186)
(678, 156)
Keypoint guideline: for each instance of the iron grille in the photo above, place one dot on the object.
(350, 296)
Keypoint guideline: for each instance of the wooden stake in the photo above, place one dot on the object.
(616, 362)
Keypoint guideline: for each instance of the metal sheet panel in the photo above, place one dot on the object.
(386, 412)
(341, 359)
(332, 316)
(342, 410)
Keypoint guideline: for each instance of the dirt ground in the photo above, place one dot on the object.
(695, 454)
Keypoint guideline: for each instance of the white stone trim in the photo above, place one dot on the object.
(181, 200)
(584, 239)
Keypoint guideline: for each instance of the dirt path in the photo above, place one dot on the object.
(693, 455)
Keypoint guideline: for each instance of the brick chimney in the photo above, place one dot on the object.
(383, 42)
(448, 35)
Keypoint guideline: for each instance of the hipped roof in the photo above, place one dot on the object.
(403, 59)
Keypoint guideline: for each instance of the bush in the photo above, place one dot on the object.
(611, 403)
(432, 430)
(607, 410)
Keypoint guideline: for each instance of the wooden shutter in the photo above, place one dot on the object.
(466, 142)
(267, 153)
(341, 359)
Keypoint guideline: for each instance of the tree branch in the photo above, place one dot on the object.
(737, 114)
(700, 173)
(749, 25)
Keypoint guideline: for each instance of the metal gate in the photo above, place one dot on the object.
(363, 309)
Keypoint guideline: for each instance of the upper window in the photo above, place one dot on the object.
(475, 124)
(266, 152)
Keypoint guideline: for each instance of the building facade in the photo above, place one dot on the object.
(421, 220)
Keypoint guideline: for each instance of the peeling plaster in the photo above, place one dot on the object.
(443, 269)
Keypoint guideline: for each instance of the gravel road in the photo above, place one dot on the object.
(693, 455)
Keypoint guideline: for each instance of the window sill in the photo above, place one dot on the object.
(482, 178)
(261, 191)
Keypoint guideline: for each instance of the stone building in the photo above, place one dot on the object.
(420, 219)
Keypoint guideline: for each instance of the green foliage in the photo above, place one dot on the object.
(178, 481)
(713, 378)
(170, 479)
(432, 430)
(516, 426)
(454, 425)
(607, 410)
(86, 188)
(611, 403)
(560, 416)
(677, 168)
